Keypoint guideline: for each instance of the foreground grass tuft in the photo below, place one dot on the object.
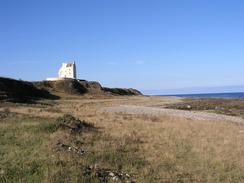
(69, 122)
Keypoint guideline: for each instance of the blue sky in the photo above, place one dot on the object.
(152, 45)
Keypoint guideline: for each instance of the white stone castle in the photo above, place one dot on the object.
(67, 71)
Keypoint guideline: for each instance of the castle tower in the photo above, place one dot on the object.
(68, 70)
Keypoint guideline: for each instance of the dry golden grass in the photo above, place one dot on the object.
(151, 148)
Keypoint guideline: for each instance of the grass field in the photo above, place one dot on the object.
(147, 148)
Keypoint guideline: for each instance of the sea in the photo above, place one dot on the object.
(239, 95)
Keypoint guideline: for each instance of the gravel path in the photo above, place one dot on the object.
(194, 115)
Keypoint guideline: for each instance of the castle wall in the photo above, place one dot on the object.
(68, 70)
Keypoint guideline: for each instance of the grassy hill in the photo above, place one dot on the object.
(22, 91)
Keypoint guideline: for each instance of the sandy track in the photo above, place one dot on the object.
(194, 115)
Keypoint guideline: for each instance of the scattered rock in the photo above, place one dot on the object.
(3, 115)
(6, 113)
(69, 148)
(111, 174)
(184, 107)
(188, 107)
(2, 172)
(105, 174)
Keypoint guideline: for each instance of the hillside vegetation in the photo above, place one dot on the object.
(23, 91)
